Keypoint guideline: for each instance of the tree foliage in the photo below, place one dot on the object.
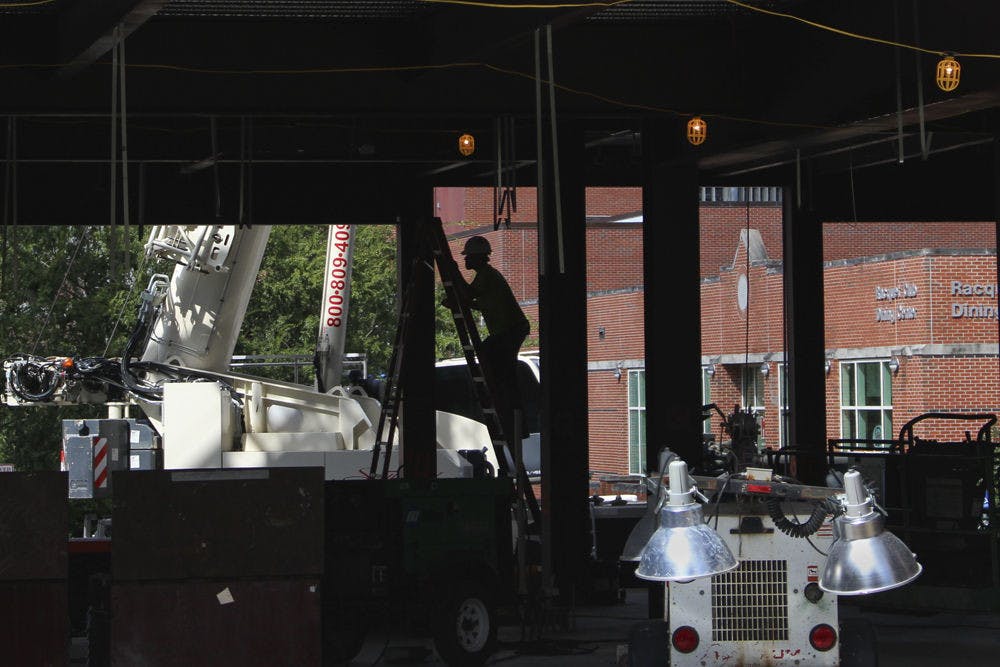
(61, 292)
(283, 316)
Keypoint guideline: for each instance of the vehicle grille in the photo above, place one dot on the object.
(751, 602)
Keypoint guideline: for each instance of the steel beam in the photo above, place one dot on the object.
(562, 331)
(804, 333)
(87, 29)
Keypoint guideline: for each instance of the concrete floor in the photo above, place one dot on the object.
(598, 635)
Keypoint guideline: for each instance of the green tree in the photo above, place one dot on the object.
(283, 315)
(284, 309)
(61, 294)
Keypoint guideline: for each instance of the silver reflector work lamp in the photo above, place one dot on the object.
(864, 557)
(683, 547)
(646, 526)
(641, 533)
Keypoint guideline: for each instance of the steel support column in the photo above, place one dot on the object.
(672, 277)
(419, 426)
(562, 297)
(996, 218)
(672, 283)
(804, 333)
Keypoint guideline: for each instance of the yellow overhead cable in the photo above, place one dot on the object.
(854, 35)
(738, 3)
(646, 107)
(35, 3)
(456, 65)
(501, 5)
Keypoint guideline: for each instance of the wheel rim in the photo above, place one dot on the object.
(472, 625)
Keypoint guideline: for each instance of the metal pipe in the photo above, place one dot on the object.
(555, 152)
(124, 155)
(539, 159)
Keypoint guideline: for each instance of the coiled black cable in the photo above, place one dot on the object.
(807, 528)
(40, 374)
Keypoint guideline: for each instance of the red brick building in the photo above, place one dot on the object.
(911, 314)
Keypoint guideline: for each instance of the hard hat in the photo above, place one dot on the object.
(477, 245)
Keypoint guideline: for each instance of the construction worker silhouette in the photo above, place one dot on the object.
(490, 294)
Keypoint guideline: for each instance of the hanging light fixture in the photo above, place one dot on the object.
(466, 144)
(684, 547)
(697, 131)
(949, 72)
(864, 557)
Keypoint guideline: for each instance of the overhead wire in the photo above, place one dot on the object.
(501, 5)
(439, 66)
(33, 3)
(125, 302)
(738, 3)
(503, 70)
(55, 298)
(855, 35)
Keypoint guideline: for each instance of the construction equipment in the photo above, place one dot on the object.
(179, 353)
(797, 549)
(941, 493)
(215, 453)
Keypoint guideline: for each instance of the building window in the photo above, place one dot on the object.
(783, 423)
(706, 396)
(728, 194)
(865, 400)
(636, 421)
(753, 396)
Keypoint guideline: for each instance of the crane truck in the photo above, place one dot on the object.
(195, 412)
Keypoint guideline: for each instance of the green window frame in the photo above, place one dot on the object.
(637, 421)
(752, 396)
(784, 412)
(865, 400)
(706, 396)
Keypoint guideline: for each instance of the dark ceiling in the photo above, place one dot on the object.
(327, 102)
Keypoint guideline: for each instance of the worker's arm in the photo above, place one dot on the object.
(465, 290)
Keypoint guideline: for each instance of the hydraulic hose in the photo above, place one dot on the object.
(810, 526)
(138, 334)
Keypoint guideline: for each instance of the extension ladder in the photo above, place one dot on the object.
(482, 376)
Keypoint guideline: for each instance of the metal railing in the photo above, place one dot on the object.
(301, 365)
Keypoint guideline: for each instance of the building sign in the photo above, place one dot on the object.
(963, 309)
(891, 311)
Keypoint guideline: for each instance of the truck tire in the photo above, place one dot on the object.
(465, 632)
